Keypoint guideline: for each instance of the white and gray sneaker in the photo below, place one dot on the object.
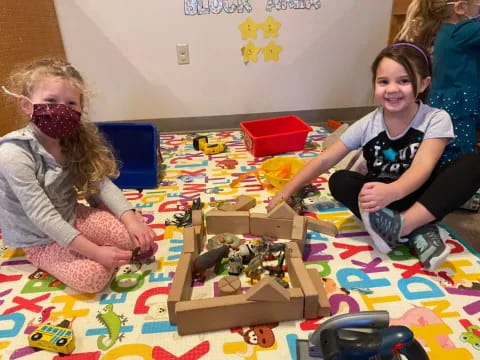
(472, 204)
(384, 227)
(429, 246)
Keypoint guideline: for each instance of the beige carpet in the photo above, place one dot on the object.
(466, 225)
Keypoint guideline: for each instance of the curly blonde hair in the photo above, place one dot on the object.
(88, 155)
(423, 20)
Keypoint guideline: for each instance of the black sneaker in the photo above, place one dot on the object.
(384, 226)
(429, 246)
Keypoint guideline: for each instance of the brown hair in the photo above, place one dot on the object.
(423, 20)
(88, 156)
(413, 58)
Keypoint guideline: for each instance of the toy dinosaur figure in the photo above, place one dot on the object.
(185, 219)
(113, 323)
(254, 268)
(206, 260)
(277, 271)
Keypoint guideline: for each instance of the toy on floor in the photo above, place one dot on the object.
(268, 300)
(185, 219)
(364, 335)
(206, 260)
(277, 171)
(146, 258)
(223, 239)
(53, 338)
(201, 143)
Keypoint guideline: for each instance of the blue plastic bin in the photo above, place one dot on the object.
(136, 147)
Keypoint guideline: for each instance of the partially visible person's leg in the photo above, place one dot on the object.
(102, 228)
(345, 186)
(446, 190)
(465, 142)
(71, 268)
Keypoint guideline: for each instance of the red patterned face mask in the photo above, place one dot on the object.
(56, 120)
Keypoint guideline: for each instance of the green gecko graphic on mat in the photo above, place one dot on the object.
(113, 323)
(472, 336)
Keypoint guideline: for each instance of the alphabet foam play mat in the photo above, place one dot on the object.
(130, 319)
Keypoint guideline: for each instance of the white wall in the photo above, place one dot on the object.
(126, 50)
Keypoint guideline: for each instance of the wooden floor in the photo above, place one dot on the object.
(466, 225)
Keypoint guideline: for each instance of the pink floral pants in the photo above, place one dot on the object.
(73, 269)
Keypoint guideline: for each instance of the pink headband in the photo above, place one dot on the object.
(415, 47)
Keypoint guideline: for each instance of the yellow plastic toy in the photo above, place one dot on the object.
(53, 338)
(211, 149)
(277, 171)
(201, 143)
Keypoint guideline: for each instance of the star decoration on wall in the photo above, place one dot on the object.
(272, 51)
(270, 27)
(250, 52)
(248, 29)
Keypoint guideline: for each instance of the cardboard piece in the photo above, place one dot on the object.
(282, 211)
(189, 241)
(267, 289)
(196, 316)
(261, 224)
(321, 226)
(323, 303)
(199, 229)
(242, 203)
(266, 302)
(229, 285)
(293, 250)
(235, 222)
(200, 237)
(181, 288)
(299, 231)
(297, 272)
(197, 217)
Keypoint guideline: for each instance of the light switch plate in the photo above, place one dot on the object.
(183, 56)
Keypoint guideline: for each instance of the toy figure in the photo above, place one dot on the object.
(225, 238)
(59, 338)
(277, 271)
(317, 203)
(235, 264)
(247, 252)
(254, 268)
(146, 258)
(206, 260)
(185, 219)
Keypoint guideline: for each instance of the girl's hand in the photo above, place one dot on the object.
(375, 196)
(278, 197)
(141, 234)
(112, 257)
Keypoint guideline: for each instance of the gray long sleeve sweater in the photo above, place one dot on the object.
(37, 199)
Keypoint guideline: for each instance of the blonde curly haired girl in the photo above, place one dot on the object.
(46, 165)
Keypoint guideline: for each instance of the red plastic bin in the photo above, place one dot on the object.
(275, 135)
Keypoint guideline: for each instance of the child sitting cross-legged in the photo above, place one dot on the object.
(405, 190)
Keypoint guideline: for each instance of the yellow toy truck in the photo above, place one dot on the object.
(201, 143)
(53, 338)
